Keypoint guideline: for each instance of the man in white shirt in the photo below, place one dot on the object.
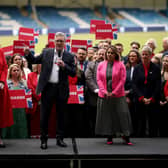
(53, 83)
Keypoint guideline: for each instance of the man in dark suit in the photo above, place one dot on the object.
(53, 83)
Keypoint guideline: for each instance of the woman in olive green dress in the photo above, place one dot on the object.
(19, 129)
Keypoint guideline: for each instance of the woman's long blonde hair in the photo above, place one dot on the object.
(10, 70)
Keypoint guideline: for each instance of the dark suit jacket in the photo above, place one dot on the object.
(46, 59)
(153, 86)
(128, 83)
(91, 82)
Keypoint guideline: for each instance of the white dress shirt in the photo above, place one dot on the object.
(132, 71)
(54, 77)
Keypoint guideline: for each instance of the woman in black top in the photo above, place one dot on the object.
(146, 85)
(133, 60)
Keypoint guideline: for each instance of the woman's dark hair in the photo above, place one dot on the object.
(117, 56)
(8, 59)
(17, 54)
(136, 43)
(128, 65)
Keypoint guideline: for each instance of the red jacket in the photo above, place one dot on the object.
(166, 89)
(6, 114)
(32, 84)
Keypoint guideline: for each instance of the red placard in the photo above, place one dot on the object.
(21, 98)
(19, 45)
(26, 34)
(93, 24)
(8, 50)
(76, 44)
(18, 99)
(76, 94)
(51, 40)
(104, 31)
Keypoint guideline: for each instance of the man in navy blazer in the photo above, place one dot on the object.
(53, 83)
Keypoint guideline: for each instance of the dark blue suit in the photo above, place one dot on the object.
(131, 96)
(53, 93)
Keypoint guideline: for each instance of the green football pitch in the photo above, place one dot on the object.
(124, 38)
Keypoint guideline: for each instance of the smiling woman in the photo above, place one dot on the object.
(147, 88)
(19, 129)
(113, 116)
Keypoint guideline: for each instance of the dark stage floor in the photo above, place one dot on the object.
(82, 149)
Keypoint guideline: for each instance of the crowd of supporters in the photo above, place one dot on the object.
(146, 91)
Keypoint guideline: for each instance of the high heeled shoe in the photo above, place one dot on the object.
(109, 141)
(127, 140)
(2, 145)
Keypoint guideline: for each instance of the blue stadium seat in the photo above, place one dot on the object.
(55, 20)
(51, 17)
(14, 14)
(148, 16)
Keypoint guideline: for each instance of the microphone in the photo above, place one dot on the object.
(59, 53)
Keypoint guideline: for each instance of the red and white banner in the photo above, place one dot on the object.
(93, 24)
(19, 45)
(21, 98)
(104, 31)
(26, 34)
(76, 44)
(8, 50)
(76, 94)
(51, 40)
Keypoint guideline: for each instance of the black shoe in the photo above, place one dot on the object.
(43, 139)
(43, 145)
(61, 143)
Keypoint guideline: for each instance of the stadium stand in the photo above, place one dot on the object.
(146, 17)
(63, 18)
(11, 17)
(51, 17)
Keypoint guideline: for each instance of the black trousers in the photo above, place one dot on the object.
(50, 95)
(147, 120)
(163, 126)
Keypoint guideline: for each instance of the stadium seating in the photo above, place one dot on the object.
(63, 18)
(54, 18)
(12, 17)
(51, 17)
(148, 17)
(125, 23)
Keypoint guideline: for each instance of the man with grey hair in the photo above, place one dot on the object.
(164, 45)
(57, 65)
(152, 44)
